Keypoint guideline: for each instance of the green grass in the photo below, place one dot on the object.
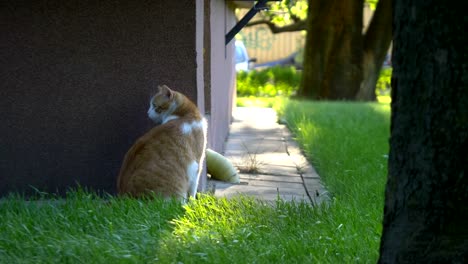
(83, 228)
(347, 143)
(249, 101)
(386, 99)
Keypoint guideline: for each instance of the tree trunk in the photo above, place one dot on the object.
(376, 44)
(333, 50)
(426, 203)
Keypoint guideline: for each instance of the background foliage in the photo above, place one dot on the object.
(284, 81)
(270, 82)
(383, 83)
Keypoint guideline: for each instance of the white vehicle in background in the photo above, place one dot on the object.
(243, 62)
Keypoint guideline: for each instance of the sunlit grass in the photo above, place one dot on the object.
(253, 101)
(245, 231)
(347, 143)
(84, 228)
(386, 99)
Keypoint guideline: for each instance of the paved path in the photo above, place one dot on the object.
(257, 142)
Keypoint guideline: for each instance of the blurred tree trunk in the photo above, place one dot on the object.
(376, 44)
(333, 51)
(426, 199)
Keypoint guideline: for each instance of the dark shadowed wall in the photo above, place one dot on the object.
(76, 78)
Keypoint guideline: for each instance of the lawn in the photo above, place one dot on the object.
(348, 145)
(346, 142)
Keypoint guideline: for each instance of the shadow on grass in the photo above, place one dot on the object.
(83, 227)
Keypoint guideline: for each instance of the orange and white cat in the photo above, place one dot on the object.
(168, 159)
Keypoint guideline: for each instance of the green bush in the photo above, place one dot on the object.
(284, 81)
(383, 86)
(270, 82)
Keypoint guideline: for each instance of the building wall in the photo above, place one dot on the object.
(199, 50)
(76, 80)
(207, 53)
(223, 76)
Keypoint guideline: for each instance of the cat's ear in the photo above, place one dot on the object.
(160, 89)
(166, 91)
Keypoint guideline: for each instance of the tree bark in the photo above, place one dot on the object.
(333, 51)
(377, 41)
(426, 199)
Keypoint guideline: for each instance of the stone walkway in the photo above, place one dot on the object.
(257, 143)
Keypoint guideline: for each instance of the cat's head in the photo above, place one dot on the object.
(162, 105)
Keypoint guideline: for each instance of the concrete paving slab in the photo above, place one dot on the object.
(255, 145)
(282, 170)
(256, 139)
(277, 184)
(272, 178)
(261, 192)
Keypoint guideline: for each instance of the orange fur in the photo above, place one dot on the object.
(159, 161)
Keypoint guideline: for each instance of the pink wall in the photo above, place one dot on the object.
(222, 74)
(199, 35)
(215, 71)
(215, 80)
